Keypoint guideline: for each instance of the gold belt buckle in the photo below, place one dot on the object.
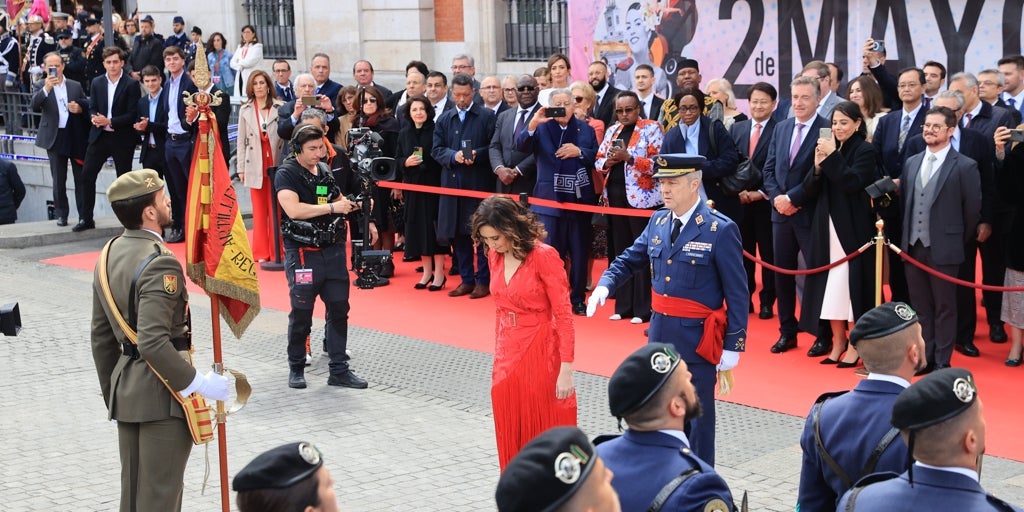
(512, 318)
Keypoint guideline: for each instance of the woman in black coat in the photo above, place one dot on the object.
(1010, 176)
(373, 114)
(417, 167)
(842, 223)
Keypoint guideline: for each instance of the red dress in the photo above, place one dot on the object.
(533, 336)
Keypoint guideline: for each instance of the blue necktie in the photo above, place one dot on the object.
(462, 116)
(1012, 102)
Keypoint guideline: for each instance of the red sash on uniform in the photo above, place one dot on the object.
(711, 343)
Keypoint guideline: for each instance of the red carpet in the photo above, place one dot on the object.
(786, 383)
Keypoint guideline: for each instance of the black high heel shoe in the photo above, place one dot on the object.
(422, 286)
(844, 364)
(438, 287)
(828, 360)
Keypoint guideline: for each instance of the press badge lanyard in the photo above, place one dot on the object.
(304, 275)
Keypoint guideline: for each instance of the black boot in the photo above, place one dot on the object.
(296, 378)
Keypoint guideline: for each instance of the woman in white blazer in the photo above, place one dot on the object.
(245, 59)
(258, 148)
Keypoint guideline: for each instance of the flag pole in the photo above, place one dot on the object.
(222, 428)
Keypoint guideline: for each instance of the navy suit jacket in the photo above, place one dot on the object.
(886, 141)
(982, 150)
(933, 489)
(851, 426)
(124, 111)
(543, 145)
(454, 212)
(156, 127)
(643, 462)
(49, 121)
(741, 137)
(989, 118)
(782, 178)
(186, 85)
(718, 165)
(656, 104)
(954, 213)
(606, 110)
(503, 152)
(330, 88)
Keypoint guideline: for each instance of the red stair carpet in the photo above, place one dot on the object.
(786, 383)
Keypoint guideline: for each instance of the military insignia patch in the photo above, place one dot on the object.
(904, 312)
(661, 162)
(170, 284)
(964, 390)
(569, 465)
(661, 362)
(699, 220)
(716, 505)
(714, 226)
(309, 453)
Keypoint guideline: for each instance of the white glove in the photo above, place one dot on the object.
(599, 295)
(729, 360)
(212, 385)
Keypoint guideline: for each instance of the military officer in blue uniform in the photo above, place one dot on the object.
(652, 391)
(940, 418)
(699, 287)
(848, 435)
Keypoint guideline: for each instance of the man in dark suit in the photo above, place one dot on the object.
(398, 98)
(490, 93)
(977, 147)
(362, 71)
(941, 197)
(753, 137)
(564, 149)
(181, 137)
(147, 49)
(697, 134)
(289, 115)
(62, 129)
(652, 391)
(516, 170)
(152, 124)
(472, 126)
(113, 106)
(283, 80)
(990, 84)
(1011, 68)
(437, 93)
(979, 115)
(320, 67)
(650, 103)
(604, 107)
(845, 430)
(137, 379)
(891, 134)
(790, 158)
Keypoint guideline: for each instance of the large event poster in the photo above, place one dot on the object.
(747, 41)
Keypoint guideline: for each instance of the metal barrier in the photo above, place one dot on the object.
(18, 118)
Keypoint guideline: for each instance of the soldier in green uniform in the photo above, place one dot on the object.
(153, 438)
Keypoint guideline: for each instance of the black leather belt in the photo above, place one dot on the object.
(132, 350)
(179, 136)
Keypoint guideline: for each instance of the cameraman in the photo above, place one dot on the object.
(313, 228)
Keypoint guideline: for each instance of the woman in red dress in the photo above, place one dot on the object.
(531, 384)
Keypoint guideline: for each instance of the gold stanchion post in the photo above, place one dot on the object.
(879, 252)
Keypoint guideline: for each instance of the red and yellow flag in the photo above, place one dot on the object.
(218, 256)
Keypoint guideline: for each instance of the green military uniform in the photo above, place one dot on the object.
(153, 437)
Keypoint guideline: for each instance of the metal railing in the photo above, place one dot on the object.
(535, 29)
(18, 118)
(275, 26)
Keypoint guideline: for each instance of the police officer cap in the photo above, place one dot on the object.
(676, 164)
(689, 63)
(883, 320)
(35, 18)
(278, 468)
(939, 396)
(61, 15)
(134, 184)
(92, 21)
(148, 18)
(179, 19)
(63, 34)
(640, 377)
(546, 472)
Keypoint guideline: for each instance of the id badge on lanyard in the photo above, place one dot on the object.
(321, 194)
(303, 275)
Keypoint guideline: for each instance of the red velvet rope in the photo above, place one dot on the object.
(824, 268)
(944, 277)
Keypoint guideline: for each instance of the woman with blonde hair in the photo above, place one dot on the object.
(258, 149)
(721, 90)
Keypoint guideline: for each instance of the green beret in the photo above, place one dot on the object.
(883, 320)
(134, 184)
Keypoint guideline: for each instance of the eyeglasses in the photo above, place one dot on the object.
(933, 127)
(369, 100)
(689, 108)
(460, 67)
(281, 70)
(908, 85)
(626, 110)
(526, 88)
(988, 83)
(578, 99)
(509, 89)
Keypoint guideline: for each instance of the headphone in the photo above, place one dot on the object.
(296, 144)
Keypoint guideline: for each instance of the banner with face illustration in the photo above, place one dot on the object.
(747, 41)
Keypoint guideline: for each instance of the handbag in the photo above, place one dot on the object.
(198, 414)
(600, 220)
(746, 177)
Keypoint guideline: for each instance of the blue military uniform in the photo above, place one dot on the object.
(933, 489)
(643, 462)
(704, 264)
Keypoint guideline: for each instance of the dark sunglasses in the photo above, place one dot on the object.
(627, 110)
(369, 100)
(526, 88)
(578, 99)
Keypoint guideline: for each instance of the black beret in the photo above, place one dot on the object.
(939, 396)
(883, 320)
(640, 376)
(278, 468)
(91, 21)
(689, 63)
(546, 472)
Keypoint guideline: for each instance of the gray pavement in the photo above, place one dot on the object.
(420, 438)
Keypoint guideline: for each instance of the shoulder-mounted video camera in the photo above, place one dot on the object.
(368, 159)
